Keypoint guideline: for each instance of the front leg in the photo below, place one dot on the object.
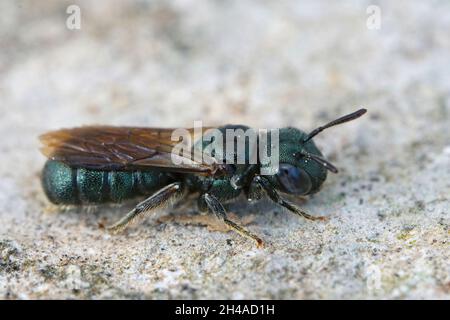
(275, 197)
(217, 208)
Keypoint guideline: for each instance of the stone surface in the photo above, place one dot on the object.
(260, 63)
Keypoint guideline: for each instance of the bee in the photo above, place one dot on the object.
(101, 164)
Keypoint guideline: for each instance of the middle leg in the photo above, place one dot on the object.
(217, 208)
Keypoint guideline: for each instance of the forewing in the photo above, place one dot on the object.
(119, 148)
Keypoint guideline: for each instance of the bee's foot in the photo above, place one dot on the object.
(259, 243)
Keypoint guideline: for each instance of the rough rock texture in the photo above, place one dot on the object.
(260, 63)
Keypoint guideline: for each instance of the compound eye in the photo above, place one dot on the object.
(293, 180)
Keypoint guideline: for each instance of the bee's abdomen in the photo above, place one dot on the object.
(66, 185)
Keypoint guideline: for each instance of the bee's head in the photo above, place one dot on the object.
(302, 168)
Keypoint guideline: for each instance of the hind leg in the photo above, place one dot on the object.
(160, 198)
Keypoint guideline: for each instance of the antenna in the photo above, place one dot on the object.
(323, 162)
(346, 118)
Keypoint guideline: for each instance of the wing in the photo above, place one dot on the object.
(120, 148)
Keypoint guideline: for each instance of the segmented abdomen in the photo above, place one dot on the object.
(65, 185)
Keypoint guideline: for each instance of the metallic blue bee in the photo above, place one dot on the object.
(99, 164)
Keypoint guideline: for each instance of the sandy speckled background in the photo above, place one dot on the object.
(260, 63)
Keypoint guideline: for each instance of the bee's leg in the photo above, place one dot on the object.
(275, 197)
(238, 181)
(217, 208)
(254, 191)
(158, 199)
